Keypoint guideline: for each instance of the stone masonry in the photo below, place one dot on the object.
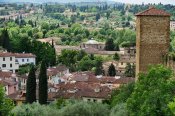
(152, 38)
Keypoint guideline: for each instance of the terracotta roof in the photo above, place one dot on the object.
(6, 54)
(17, 55)
(55, 70)
(85, 76)
(82, 89)
(107, 79)
(153, 12)
(124, 80)
(24, 55)
(5, 74)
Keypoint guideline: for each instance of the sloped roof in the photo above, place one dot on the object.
(153, 12)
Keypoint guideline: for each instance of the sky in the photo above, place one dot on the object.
(147, 1)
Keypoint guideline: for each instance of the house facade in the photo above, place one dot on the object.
(23, 58)
(8, 62)
(12, 61)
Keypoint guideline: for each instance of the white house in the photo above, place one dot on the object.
(24, 58)
(12, 61)
(8, 62)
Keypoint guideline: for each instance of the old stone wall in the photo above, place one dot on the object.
(152, 41)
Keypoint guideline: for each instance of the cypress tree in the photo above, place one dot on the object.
(111, 70)
(31, 86)
(109, 45)
(5, 40)
(98, 67)
(43, 87)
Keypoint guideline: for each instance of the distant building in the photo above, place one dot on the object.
(172, 25)
(153, 38)
(93, 44)
(25, 58)
(8, 62)
(12, 61)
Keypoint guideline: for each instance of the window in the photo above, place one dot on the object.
(89, 99)
(10, 65)
(27, 60)
(5, 89)
(121, 63)
(3, 59)
(10, 58)
(3, 65)
(95, 100)
(22, 60)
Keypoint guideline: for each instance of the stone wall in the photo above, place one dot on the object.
(152, 41)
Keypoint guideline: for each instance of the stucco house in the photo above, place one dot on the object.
(8, 62)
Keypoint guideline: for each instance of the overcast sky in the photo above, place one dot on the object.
(147, 1)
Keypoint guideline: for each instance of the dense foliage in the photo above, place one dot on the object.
(6, 105)
(152, 93)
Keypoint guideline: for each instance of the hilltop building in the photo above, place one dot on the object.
(93, 44)
(152, 34)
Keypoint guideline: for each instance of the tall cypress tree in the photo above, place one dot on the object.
(31, 86)
(43, 87)
(111, 70)
(98, 67)
(5, 40)
(109, 45)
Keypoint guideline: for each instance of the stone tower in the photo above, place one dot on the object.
(152, 38)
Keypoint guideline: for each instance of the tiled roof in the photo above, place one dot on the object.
(85, 76)
(55, 70)
(17, 55)
(124, 80)
(153, 12)
(24, 55)
(6, 54)
(5, 74)
(82, 89)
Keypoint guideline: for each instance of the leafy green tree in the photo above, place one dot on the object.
(86, 64)
(31, 86)
(6, 105)
(171, 105)
(119, 110)
(152, 93)
(111, 70)
(85, 109)
(109, 45)
(35, 109)
(68, 57)
(81, 54)
(130, 70)
(43, 87)
(116, 57)
(121, 94)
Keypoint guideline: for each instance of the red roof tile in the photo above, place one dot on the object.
(17, 55)
(153, 12)
(6, 54)
(5, 74)
(24, 55)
